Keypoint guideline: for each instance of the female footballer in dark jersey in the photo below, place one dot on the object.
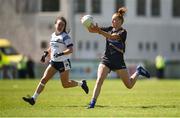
(61, 47)
(113, 58)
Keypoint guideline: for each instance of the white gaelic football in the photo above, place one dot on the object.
(87, 20)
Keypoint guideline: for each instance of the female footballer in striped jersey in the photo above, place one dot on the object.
(61, 47)
(113, 58)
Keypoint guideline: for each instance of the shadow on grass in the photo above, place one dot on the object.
(68, 106)
(143, 107)
(106, 106)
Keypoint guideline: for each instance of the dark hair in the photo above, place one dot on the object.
(120, 13)
(64, 20)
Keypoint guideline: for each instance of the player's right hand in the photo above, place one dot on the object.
(43, 59)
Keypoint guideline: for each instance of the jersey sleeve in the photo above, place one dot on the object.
(68, 41)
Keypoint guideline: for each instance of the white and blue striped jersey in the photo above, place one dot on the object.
(58, 44)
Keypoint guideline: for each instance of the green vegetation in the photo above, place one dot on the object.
(149, 98)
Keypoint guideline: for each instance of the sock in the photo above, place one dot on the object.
(93, 100)
(80, 83)
(35, 96)
(137, 73)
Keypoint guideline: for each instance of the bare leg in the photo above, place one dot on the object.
(66, 83)
(101, 75)
(48, 74)
(129, 82)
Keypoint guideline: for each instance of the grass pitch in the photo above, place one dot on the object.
(149, 98)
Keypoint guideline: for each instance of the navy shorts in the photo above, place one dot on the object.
(62, 65)
(114, 64)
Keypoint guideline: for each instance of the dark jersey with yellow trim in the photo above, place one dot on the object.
(112, 57)
(118, 43)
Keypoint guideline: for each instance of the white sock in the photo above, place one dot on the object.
(80, 83)
(35, 96)
(137, 73)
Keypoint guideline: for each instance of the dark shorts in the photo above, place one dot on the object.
(62, 65)
(115, 63)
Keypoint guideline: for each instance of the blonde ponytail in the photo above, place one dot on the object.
(122, 11)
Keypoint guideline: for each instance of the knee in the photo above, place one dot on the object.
(44, 81)
(129, 87)
(66, 85)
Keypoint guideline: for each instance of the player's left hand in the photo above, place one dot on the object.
(95, 28)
